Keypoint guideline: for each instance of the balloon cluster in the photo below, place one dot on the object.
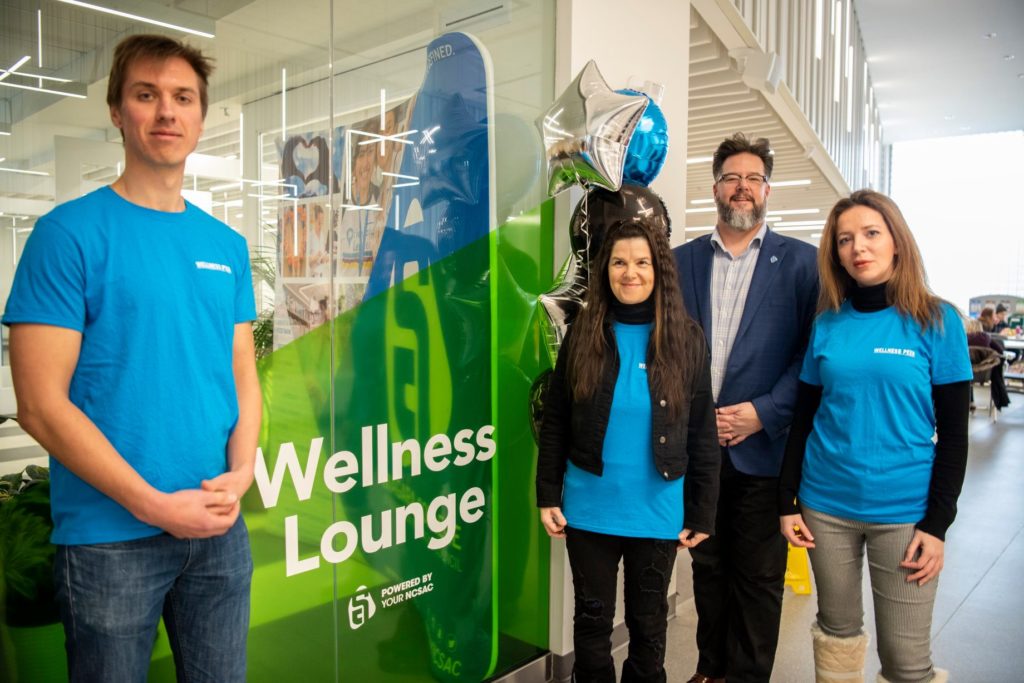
(612, 144)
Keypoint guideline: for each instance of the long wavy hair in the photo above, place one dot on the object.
(907, 289)
(671, 361)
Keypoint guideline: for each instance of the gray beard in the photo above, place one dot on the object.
(738, 219)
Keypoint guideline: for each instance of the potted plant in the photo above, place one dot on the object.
(31, 638)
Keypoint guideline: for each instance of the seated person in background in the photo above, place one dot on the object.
(978, 337)
(1001, 315)
(987, 318)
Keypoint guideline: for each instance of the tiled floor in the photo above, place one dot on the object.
(979, 613)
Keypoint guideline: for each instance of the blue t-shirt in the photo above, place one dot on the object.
(869, 456)
(156, 297)
(630, 498)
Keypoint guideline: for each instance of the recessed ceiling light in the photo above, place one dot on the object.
(990, 36)
(1009, 58)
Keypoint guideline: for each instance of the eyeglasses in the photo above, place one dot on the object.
(754, 179)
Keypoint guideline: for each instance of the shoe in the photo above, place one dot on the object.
(941, 676)
(701, 678)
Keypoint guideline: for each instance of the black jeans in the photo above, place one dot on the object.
(647, 569)
(738, 577)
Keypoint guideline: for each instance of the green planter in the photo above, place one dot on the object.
(31, 637)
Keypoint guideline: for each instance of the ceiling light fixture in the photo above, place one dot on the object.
(8, 72)
(18, 170)
(26, 74)
(158, 15)
(792, 212)
(702, 201)
(64, 93)
(69, 88)
(789, 183)
(795, 224)
(698, 160)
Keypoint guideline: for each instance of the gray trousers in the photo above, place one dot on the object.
(903, 611)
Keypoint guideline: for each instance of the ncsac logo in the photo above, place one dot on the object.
(360, 608)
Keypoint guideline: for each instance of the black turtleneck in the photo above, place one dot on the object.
(869, 299)
(951, 402)
(633, 314)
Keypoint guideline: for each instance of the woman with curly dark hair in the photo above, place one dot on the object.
(629, 458)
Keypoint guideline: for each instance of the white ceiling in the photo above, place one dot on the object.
(935, 71)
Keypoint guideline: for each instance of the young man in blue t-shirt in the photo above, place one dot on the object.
(133, 363)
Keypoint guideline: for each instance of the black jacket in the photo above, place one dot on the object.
(688, 445)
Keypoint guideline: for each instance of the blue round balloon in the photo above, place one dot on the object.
(649, 145)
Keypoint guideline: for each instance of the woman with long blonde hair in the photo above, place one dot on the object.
(886, 369)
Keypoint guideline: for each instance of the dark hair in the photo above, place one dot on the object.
(907, 289)
(740, 144)
(672, 362)
(1001, 309)
(162, 48)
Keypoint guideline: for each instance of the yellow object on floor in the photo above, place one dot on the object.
(798, 571)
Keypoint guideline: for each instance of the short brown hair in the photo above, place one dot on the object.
(740, 144)
(152, 46)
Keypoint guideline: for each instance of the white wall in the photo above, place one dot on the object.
(649, 40)
(962, 199)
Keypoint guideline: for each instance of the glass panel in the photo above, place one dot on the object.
(383, 164)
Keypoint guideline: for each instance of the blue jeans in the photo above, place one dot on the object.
(111, 597)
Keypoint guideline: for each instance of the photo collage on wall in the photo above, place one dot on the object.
(317, 243)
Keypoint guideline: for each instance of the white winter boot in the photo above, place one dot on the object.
(838, 660)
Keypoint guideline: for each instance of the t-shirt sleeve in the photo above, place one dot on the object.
(809, 373)
(950, 360)
(245, 301)
(49, 284)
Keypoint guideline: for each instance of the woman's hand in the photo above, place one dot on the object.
(553, 521)
(929, 552)
(795, 530)
(691, 539)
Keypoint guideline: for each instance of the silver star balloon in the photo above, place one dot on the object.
(586, 133)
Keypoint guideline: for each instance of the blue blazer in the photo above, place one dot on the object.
(766, 357)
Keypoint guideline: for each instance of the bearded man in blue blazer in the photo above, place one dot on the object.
(754, 293)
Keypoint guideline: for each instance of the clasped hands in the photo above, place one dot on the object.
(736, 422)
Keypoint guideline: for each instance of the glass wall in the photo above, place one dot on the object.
(382, 161)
